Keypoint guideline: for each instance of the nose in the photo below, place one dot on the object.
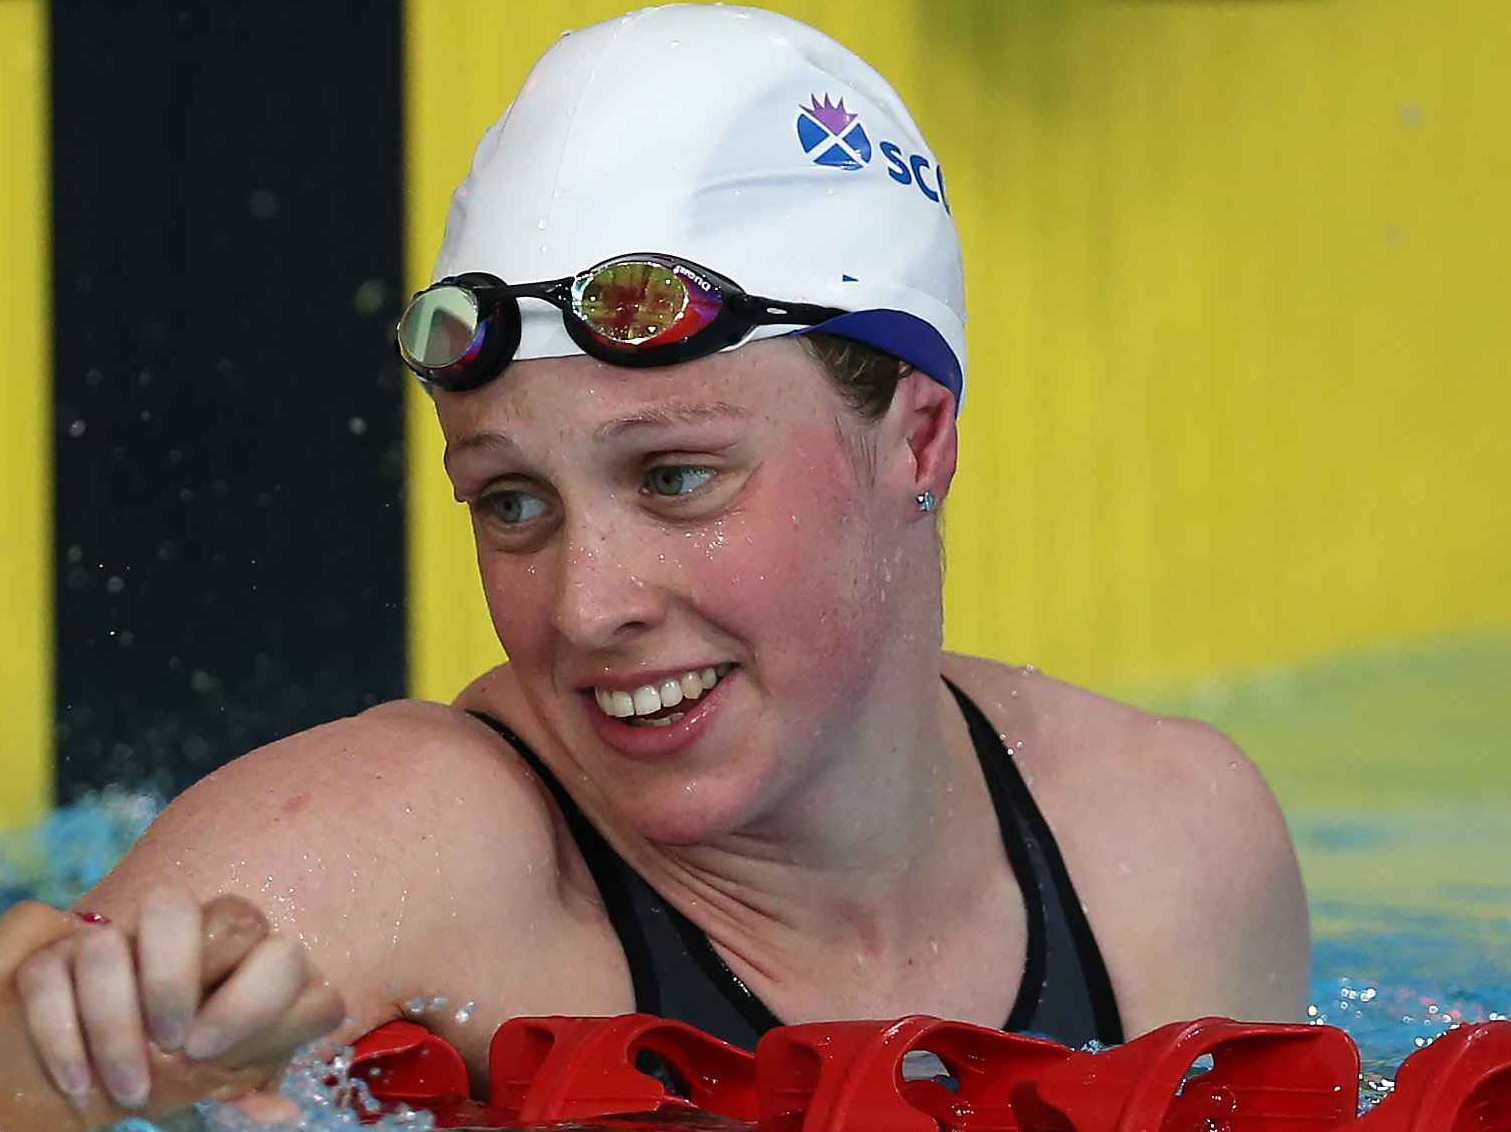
(605, 596)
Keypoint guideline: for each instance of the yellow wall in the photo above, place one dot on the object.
(1236, 273)
(25, 400)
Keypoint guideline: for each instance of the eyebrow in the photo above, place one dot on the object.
(662, 416)
(478, 440)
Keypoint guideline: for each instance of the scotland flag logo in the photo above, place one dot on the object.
(831, 135)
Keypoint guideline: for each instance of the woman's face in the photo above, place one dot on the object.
(638, 528)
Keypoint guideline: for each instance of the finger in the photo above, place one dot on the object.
(232, 928)
(251, 1000)
(111, 1013)
(29, 927)
(168, 963)
(316, 1012)
(45, 983)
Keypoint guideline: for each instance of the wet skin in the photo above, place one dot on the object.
(231, 930)
(820, 815)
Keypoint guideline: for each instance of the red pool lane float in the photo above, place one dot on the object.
(850, 1077)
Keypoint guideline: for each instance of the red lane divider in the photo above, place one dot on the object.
(1460, 1083)
(1263, 1076)
(404, 1063)
(856, 1077)
(544, 1069)
(850, 1075)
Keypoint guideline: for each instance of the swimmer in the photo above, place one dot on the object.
(696, 345)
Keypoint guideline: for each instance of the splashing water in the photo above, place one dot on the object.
(1393, 979)
(73, 850)
(329, 1100)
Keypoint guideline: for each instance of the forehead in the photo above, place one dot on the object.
(772, 380)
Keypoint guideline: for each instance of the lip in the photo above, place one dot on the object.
(653, 744)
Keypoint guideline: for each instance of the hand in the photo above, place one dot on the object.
(202, 1003)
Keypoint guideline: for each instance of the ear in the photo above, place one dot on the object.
(920, 440)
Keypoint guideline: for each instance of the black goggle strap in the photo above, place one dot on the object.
(770, 312)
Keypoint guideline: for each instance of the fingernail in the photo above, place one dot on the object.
(167, 1032)
(205, 1042)
(92, 917)
(127, 1085)
(73, 1079)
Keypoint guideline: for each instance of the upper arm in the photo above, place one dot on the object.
(1177, 848)
(385, 842)
(1225, 927)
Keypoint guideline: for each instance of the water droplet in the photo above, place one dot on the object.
(263, 204)
(357, 426)
(76, 429)
(369, 296)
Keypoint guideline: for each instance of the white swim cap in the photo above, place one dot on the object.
(736, 138)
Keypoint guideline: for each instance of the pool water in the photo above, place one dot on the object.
(1393, 766)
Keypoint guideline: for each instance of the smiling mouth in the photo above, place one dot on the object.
(656, 705)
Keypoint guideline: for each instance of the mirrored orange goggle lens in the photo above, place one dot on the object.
(644, 304)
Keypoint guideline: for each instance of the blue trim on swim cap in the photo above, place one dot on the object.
(904, 336)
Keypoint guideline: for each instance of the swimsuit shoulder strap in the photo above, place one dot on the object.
(1066, 992)
(675, 970)
(607, 869)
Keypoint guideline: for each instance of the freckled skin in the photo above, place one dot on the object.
(829, 828)
(621, 585)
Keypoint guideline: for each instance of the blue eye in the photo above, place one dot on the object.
(512, 508)
(675, 480)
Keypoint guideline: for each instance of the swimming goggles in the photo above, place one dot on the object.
(633, 310)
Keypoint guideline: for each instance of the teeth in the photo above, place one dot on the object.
(651, 698)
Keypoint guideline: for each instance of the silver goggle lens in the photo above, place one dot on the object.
(440, 328)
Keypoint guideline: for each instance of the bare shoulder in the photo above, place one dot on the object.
(375, 787)
(1104, 754)
(408, 846)
(1176, 844)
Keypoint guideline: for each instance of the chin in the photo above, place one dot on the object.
(690, 809)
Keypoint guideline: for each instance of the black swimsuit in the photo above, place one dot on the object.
(1064, 994)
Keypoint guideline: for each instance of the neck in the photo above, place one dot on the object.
(878, 843)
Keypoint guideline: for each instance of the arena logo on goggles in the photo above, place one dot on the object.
(833, 137)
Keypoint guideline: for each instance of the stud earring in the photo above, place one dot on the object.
(926, 501)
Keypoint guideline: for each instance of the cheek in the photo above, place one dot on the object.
(795, 572)
(518, 594)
